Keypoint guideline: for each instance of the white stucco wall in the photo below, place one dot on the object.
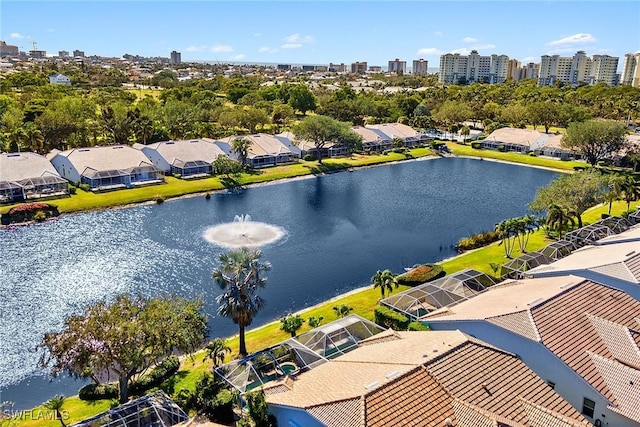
(293, 417)
(65, 168)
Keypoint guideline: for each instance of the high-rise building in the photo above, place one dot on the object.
(398, 67)
(513, 70)
(63, 53)
(530, 71)
(8, 50)
(359, 67)
(337, 68)
(78, 53)
(375, 68)
(577, 69)
(630, 71)
(456, 68)
(420, 67)
(176, 57)
(38, 54)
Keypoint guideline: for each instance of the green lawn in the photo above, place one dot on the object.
(466, 150)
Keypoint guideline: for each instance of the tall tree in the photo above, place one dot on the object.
(385, 280)
(559, 218)
(630, 190)
(240, 276)
(32, 138)
(125, 337)
(291, 323)
(240, 146)
(321, 130)
(216, 350)
(595, 140)
(302, 99)
(55, 404)
(543, 113)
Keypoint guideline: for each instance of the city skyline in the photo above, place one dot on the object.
(320, 32)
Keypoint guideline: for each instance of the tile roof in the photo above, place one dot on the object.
(104, 158)
(624, 383)
(25, 165)
(524, 137)
(369, 135)
(185, 150)
(521, 323)
(435, 375)
(620, 260)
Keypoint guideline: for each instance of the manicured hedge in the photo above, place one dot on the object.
(418, 326)
(24, 212)
(420, 275)
(388, 318)
(476, 145)
(98, 392)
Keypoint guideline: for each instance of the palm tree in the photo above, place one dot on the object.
(385, 280)
(216, 351)
(630, 190)
(32, 138)
(342, 310)
(465, 132)
(143, 129)
(55, 404)
(240, 276)
(506, 231)
(615, 185)
(314, 322)
(240, 146)
(525, 225)
(559, 218)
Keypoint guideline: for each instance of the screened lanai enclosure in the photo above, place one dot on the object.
(144, 173)
(588, 235)
(634, 217)
(152, 410)
(47, 185)
(616, 224)
(558, 249)
(297, 354)
(515, 268)
(420, 300)
(192, 169)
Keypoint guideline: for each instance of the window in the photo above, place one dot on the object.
(551, 384)
(588, 407)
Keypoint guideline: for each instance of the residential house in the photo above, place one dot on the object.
(577, 334)
(443, 378)
(513, 139)
(409, 136)
(552, 147)
(265, 150)
(302, 148)
(59, 79)
(27, 176)
(106, 167)
(187, 158)
(372, 141)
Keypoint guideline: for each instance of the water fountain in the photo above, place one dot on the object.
(243, 233)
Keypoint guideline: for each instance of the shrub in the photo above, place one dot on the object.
(98, 392)
(533, 154)
(177, 175)
(309, 157)
(477, 240)
(39, 216)
(501, 148)
(420, 274)
(417, 326)
(579, 168)
(167, 368)
(84, 187)
(477, 145)
(388, 318)
(207, 196)
(159, 199)
(24, 212)
(72, 190)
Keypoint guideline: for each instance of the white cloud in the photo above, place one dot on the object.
(429, 51)
(528, 59)
(196, 48)
(438, 33)
(291, 45)
(238, 57)
(470, 40)
(221, 48)
(257, 34)
(267, 49)
(560, 50)
(16, 36)
(575, 38)
(461, 51)
(297, 39)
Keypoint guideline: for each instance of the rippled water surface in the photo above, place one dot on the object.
(339, 229)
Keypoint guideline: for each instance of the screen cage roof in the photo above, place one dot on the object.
(588, 234)
(152, 410)
(634, 217)
(297, 354)
(420, 300)
(190, 164)
(559, 249)
(515, 268)
(615, 223)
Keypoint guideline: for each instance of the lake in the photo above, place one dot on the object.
(339, 229)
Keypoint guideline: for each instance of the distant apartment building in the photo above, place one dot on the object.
(375, 69)
(79, 53)
(630, 71)
(38, 54)
(175, 58)
(284, 67)
(63, 53)
(456, 68)
(530, 71)
(577, 69)
(513, 69)
(420, 67)
(359, 67)
(337, 68)
(8, 50)
(398, 67)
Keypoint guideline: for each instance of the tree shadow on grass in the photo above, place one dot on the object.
(327, 167)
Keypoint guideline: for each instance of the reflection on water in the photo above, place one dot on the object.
(339, 229)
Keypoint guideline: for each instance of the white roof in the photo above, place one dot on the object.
(19, 166)
(262, 144)
(526, 137)
(104, 158)
(395, 130)
(370, 135)
(185, 150)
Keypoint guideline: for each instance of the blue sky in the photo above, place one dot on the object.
(324, 31)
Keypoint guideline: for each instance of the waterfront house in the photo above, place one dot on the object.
(265, 150)
(552, 147)
(187, 158)
(513, 139)
(28, 176)
(372, 141)
(302, 147)
(409, 136)
(578, 335)
(106, 167)
(443, 378)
